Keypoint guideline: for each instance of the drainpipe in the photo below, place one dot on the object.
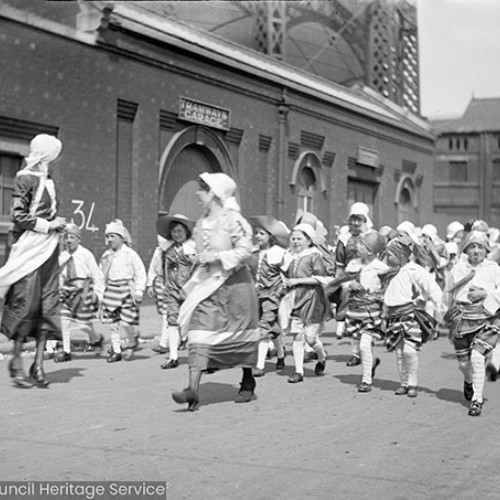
(485, 165)
(283, 109)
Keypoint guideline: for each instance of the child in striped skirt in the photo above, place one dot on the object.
(408, 327)
(364, 303)
(125, 282)
(81, 290)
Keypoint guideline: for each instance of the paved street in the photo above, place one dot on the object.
(320, 439)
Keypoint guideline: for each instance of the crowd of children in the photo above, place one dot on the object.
(401, 286)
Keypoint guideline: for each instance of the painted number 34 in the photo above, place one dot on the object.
(82, 216)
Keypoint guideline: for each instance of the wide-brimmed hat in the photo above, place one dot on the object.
(273, 226)
(305, 218)
(164, 223)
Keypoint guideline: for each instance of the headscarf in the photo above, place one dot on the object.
(401, 246)
(453, 228)
(223, 187)
(409, 229)
(360, 208)
(430, 230)
(478, 237)
(44, 149)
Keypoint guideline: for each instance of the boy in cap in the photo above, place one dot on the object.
(364, 305)
(81, 290)
(474, 290)
(408, 327)
(125, 282)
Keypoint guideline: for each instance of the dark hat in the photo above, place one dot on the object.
(273, 226)
(165, 221)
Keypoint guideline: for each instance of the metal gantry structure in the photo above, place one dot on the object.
(382, 35)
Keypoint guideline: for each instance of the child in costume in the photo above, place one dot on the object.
(474, 294)
(155, 288)
(125, 282)
(364, 304)
(305, 308)
(81, 290)
(272, 237)
(407, 326)
(347, 249)
(179, 260)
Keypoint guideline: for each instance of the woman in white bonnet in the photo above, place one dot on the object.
(220, 316)
(29, 281)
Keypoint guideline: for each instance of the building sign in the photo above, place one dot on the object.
(204, 114)
(368, 157)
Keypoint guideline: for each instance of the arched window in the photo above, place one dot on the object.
(406, 200)
(307, 179)
(306, 187)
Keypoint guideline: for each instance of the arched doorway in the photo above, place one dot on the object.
(181, 186)
(189, 153)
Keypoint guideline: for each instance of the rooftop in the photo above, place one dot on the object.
(481, 115)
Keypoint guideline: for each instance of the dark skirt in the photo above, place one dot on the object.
(31, 306)
(223, 331)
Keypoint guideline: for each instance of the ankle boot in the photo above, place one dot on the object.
(38, 376)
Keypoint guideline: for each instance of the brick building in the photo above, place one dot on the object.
(143, 104)
(467, 169)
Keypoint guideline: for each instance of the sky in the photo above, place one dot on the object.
(459, 50)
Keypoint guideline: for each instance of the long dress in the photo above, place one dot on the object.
(30, 277)
(220, 314)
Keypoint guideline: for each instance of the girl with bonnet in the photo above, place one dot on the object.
(347, 249)
(305, 308)
(220, 317)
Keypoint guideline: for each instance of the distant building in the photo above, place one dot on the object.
(144, 103)
(467, 166)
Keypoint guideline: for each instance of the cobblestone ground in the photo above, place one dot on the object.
(320, 439)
